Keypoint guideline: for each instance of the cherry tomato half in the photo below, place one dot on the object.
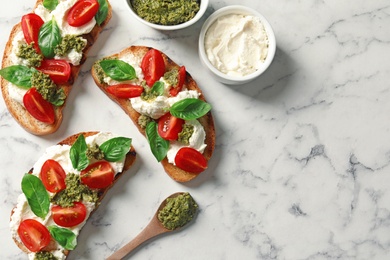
(98, 175)
(53, 176)
(190, 160)
(58, 70)
(31, 23)
(34, 235)
(180, 82)
(38, 107)
(153, 66)
(125, 90)
(82, 12)
(169, 126)
(70, 216)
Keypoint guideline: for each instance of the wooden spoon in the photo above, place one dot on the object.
(154, 228)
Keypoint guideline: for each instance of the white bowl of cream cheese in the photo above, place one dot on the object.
(237, 44)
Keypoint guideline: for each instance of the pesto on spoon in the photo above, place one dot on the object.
(173, 213)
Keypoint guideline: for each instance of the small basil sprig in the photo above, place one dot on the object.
(118, 70)
(158, 88)
(36, 195)
(116, 148)
(18, 75)
(102, 13)
(66, 238)
(78, 154)
(49, 37)
(50, 4)
(190, 108)
(158, 145)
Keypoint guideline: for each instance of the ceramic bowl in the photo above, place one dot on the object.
(234, 79)
(202, 9)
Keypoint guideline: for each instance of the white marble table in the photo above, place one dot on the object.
(301, 168)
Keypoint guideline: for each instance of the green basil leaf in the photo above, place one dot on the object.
(49, 37)
(116, 148)
(190, 108)
(18, 75)
(66, 238)
(118, 70)
(36, 195)
(78, 154)
(102, 13)
(158, 145)
(158, 88)
(50, 4)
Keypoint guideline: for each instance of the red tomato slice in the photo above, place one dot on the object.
(69, 217)
(180, 82)
(169, 126)
(53, 176)
(31, 23)
(153, 66)
(98, 175)
(34, 235)
(190, 160)
(38, 107)
(58, 70)
(82, 12)
(125, 90)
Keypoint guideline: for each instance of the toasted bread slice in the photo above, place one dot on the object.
(53, 245)
(206, 121)
(17, 110)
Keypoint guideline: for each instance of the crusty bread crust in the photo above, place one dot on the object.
(129, 161)
(18, 111)
(206, 121)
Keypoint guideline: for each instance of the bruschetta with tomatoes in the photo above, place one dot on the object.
(43, 56)
(64, 187)
(165, 104)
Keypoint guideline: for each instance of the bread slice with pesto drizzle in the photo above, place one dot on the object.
(92, 163)
(57, 40)
(116, 74)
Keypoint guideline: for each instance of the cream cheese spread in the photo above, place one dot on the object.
(236, 44)
(60, 153)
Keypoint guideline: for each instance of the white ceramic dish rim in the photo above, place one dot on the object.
(238, 9)
(202, 9)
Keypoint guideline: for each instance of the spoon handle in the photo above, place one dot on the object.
(151, 230)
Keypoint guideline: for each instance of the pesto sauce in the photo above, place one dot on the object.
(43, 255)
(166, 12)
(186, 133)
(75, 191)
(144, 120)
(178, 211)
(94, 152)
(68, 43)
(46, 87)
(171, 77)
(28, 52)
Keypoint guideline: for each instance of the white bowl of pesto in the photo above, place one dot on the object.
(168, 14)
(236, 44)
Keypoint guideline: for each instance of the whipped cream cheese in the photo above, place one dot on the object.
(60, 153)
(236, 44)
